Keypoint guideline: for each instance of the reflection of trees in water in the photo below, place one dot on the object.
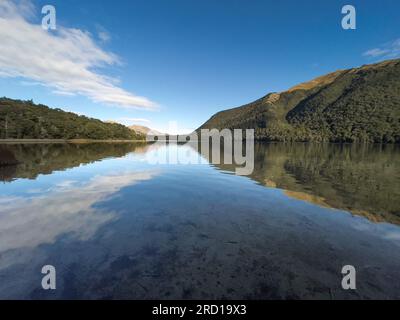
(7, 172)
(35, 159)
(362, 179)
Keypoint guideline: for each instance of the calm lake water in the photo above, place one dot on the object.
(116, 226)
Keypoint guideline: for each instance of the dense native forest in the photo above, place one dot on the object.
(26, 120)
(355, 105)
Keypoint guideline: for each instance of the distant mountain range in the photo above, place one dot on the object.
(360, 104)
(144, 130)
(26, 120)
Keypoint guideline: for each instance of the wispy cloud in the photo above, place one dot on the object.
(388, 50)
(23, 8)
(66, 60)
(103, 34)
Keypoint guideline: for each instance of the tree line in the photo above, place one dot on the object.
(26, 120)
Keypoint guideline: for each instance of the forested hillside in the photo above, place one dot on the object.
(26, 120)
(355, 105)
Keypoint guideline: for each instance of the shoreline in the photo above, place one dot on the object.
(83, 141)
(75, 141)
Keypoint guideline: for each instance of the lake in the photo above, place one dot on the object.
(116, 226)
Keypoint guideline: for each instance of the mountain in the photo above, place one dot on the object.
(360, 104)
(26, 120)
(144, 130)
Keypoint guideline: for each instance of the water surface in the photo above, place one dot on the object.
(115, 226)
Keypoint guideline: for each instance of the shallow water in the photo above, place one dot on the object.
(116, 226)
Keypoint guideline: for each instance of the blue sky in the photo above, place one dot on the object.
(182, 60)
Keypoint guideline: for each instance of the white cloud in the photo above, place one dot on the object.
(389, 50)
(23, 8)
(66, 60)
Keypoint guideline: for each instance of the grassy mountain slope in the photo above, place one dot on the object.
(360, 104)
(26, 120)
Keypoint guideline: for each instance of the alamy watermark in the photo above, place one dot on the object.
(49, 280)
(349, 20)
(349, 278)
(227, 147)
(49, 21)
